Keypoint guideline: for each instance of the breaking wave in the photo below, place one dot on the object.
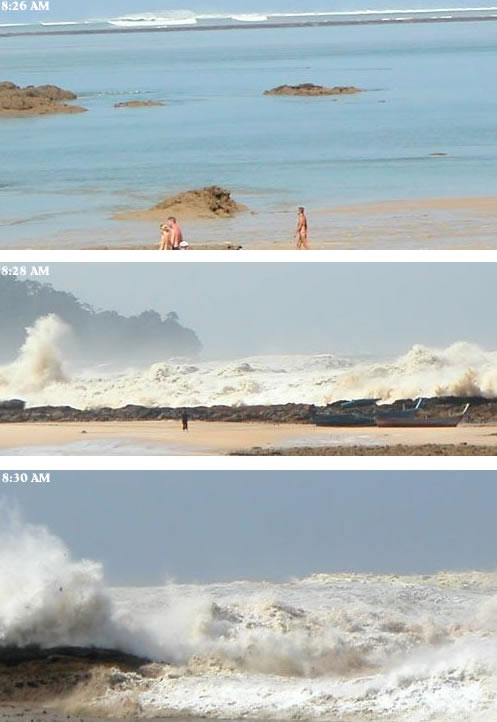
(331, 646)
(184, 18)
(40, 376)
(39, 363)
(174, 17)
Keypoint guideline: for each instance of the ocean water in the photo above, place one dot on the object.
(326, 647)
(429, 88)
(42, 375)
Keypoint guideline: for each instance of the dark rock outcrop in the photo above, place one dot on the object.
(12, 405)
(35, 100)
(482, 411)
(209, 202)
(309, 89)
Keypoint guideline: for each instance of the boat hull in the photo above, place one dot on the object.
(444, 422)
(343, 420)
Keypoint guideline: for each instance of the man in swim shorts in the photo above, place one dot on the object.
(302, 232)
(176, 233)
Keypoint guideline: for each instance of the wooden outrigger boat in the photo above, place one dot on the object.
(416, 421)
(400, 413)
(344, 420)
(363, 419)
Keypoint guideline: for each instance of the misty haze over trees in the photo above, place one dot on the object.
(98, 336)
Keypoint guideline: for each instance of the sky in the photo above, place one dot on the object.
(85, 9)
(243, 309)
(149, 527)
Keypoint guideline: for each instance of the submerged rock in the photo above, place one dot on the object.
(36, 100)
(309, 89)
(138, 104)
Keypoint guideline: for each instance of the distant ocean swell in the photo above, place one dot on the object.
(184, 18)
(330, 646)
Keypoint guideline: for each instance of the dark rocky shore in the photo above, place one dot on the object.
(31, 675)
(482, 411)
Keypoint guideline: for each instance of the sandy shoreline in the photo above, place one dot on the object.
(219, 438)
(426, 223)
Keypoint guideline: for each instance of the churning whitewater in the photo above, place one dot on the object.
(331, 646)
(41, 376)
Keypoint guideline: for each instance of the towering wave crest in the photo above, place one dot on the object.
(39, 363)
(38, 376)
(396, 648)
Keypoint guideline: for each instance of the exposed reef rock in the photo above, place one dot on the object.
(482, 411)
(309, 89)
(32, 100)
(139, 104)
(35, 675)
(209, 202)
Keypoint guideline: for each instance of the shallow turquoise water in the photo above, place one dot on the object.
(430, 88)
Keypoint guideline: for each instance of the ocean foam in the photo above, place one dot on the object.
(40, 376)
(151, 20)
(331, 646)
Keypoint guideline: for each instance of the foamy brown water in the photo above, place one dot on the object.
(42, 377)
(330, 646)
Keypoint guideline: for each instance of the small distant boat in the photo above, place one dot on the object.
(416, 421)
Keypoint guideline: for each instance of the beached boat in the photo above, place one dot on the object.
(400, 413)
(417, 421)
(358, 403)
(344, 420)
(366, 418)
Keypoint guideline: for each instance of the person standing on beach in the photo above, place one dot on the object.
(165, 238)
(302, 232)
(184, 420)
(176, 234)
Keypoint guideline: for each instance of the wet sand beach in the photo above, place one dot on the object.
(426, 223)
(219, 438)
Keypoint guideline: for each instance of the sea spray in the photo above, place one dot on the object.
(39, 362)
(326, 647)
(46, 598)
(462, 369)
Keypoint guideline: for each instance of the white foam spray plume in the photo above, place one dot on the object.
(325, 647)
(37, 376)
(39, 363)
